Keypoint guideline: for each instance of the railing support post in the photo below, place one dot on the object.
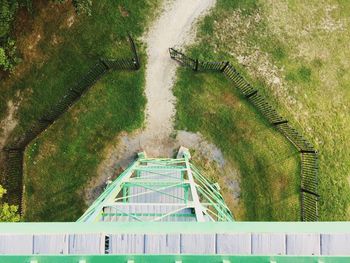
(225, 66)
(196, 65)
(136, 60)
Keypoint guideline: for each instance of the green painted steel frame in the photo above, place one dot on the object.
(170, 258)
(158, 190)
(149, 214)
(94, 212)
(211, 195)
(174, 227)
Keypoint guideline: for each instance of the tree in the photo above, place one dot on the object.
(8, 55)
(8, 213)
(8, 9)
(7, 46)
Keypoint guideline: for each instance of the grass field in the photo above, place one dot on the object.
(296, 53)
(57, 58)
(267, 163)
(62, 160)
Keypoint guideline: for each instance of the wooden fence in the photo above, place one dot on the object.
(14, 149)
(309, 161)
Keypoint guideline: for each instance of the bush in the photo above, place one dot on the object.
(3, 59)
(7, 10)
(83, 6)
(8, 213)
(7, 46)
(8, 55)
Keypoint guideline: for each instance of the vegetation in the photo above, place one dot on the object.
(60, 163)
(83, 6)
(295, 53)
(8, 213)
(62, 48)
(7, 45)
(267, 163)
(8, 9)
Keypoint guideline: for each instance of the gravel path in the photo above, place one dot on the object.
(173, 28)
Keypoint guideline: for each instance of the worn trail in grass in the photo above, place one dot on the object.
(173, 27)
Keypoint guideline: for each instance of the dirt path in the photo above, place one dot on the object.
(173, 28)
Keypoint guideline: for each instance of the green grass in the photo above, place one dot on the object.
(295, 53)
(267, 163)
(102, 34)
(60, 163)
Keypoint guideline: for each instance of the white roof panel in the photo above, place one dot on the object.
(50, 244)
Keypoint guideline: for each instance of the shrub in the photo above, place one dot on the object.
(83, 6)
(8, 55)
(8, 213)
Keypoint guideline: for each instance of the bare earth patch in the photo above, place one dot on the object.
(29, 33)
(9, 123)
(70, 20)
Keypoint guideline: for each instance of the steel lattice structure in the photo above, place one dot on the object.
(165, 210)
(158, 190)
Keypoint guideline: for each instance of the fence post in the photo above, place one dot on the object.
(171, 52)
(103, 62)
(225, 66)
(279, 122)
(251, 94)
(302, 214)
(309, 192)
(196, 65)
(307, 151)
(135, 60)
